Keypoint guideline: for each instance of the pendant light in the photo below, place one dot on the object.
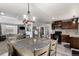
(28, 18)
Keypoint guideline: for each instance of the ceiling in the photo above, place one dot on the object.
(44, 12)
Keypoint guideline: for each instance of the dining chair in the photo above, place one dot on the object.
(11, 40)
(10, 49)
(42, 51)
(26, 52)
(53, 48)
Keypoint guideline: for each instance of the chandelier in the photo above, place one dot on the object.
(28, 19)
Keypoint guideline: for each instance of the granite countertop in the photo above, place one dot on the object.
(25, 46)
(74, 35)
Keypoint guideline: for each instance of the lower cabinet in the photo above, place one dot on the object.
(65, 38)
(74, 42)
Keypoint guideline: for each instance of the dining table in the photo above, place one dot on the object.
(27, 47)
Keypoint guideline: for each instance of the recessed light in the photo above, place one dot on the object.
(53, 18)
(2, 13)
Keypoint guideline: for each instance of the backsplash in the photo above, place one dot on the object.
(66, 31)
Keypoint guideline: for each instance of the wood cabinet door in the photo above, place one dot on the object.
(65, 38)
(69, 25)
(74, 42)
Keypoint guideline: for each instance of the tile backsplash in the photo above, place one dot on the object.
(66, 31)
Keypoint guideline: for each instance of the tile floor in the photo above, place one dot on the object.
(63, 51)
(3, 47)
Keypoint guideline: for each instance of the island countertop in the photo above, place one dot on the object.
(74, 35)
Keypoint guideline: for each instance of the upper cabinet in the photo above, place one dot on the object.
(68, 24)
(56, 24)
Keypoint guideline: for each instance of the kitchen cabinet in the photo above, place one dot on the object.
(56, 24)
(65, 24)
(74, 42)
(65, 38)
(69, 25)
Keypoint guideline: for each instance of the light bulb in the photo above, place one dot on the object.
(25, 16)
(34, 18)
(74, 22)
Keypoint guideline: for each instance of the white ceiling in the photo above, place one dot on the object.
(42, 11)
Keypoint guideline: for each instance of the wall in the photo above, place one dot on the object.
(8, 29)
(9, 25)
(10, 20)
